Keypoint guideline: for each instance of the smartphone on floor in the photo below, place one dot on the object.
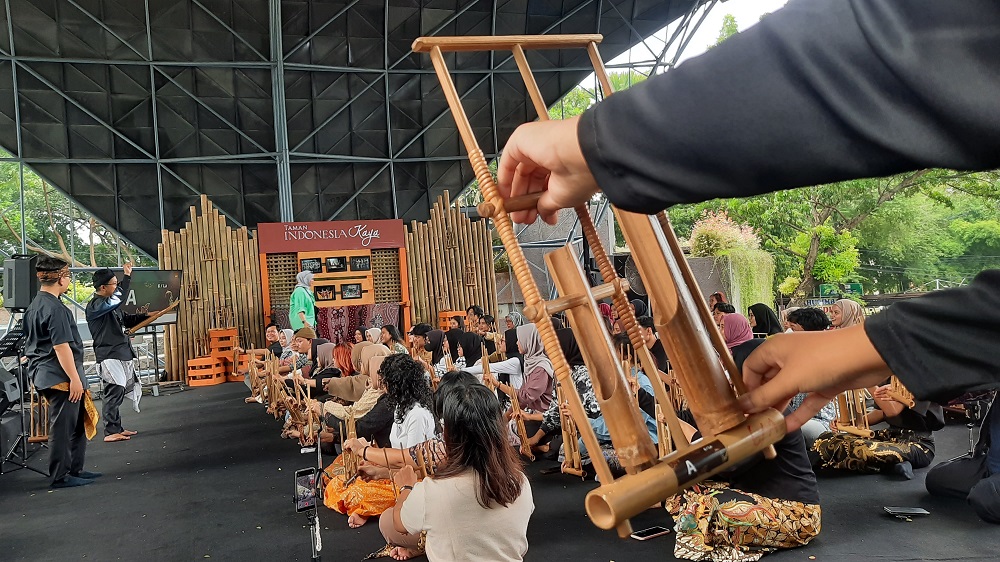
(650, 533)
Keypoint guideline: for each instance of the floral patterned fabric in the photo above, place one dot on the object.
(720, 524)
(581, 379)
(337, 324)
(366, 498)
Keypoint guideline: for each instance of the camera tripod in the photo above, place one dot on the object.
(12, 345)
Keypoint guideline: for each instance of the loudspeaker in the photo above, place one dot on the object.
(20, 284)
(9, 393)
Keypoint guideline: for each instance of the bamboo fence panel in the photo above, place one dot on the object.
(222, 285)
(450, 262)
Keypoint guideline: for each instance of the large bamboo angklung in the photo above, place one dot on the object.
(683, 319)
(852, 414)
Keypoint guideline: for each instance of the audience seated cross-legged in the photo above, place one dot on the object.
(481, 483)
(409, 399)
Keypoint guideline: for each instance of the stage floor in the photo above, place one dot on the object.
(209, 477)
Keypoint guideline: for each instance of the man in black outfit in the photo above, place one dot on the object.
(54, 351)
(653, 343)
(113, 348)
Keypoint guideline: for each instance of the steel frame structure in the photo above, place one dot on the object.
(279, 111)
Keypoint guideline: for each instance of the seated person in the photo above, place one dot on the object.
(811, 319)
(906, 444)
(409, 398)
(977, 478)
(482, 481)
(350, 389)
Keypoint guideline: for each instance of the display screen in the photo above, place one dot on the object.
(151, 290)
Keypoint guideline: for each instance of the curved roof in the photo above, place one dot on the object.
(135, 111)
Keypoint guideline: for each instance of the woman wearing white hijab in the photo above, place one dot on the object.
(374, 335)
(302, 303)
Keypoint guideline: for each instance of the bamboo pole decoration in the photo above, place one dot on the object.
(222, 284)
(442, 255)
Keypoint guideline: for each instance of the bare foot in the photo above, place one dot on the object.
(129, 432)
(400, 553)
(355, 521)
(115, 437)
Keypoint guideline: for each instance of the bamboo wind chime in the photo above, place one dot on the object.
(222, 284)
(729, 435)
(450, 260)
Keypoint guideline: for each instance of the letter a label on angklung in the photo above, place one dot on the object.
(700, 462)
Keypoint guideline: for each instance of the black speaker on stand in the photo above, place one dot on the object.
(20, 284)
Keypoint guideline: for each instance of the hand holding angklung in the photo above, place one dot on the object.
(545, 156)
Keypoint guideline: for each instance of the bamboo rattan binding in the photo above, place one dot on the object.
(692, 341)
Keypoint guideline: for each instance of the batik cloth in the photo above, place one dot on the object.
(366, 498)
(122, 373)
(720, 524)
(887, 448)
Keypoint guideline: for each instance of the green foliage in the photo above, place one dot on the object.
(837, 254)
(753, 272)
(729, 28)
(716, 233)
(789, 285)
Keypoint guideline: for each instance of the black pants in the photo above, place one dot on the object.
(67, 438)
(967, 478)
(112, 399)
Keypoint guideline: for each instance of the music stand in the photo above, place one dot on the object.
(12, 345)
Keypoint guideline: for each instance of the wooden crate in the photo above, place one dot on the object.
(221, 343)
(205, 371)
(445, 315)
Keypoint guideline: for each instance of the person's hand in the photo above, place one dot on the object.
(822, 364)
(355, 445)
(75, 389)
(128, 268)
(833, 425)
(489, 380)
(882, 393)
(316, 406)
(545, 156)
(405, 477)
(518, 415)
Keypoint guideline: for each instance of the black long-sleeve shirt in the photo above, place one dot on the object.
(817, 92)
(107, 324)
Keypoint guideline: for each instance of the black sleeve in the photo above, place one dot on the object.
(646, 401)
(130, 320)
(944, 343)
(818, 91)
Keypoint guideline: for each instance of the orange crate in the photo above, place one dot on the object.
(445, 315)
(205, 371)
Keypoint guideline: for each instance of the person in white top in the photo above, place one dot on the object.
(482, 481)
(409, 397)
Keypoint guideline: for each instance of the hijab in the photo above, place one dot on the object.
(374, 364)
(510, 336)
(516, 319)
(534, 351)
(736, 329)
(766, 320)
(288, 339)
(640, 307)
(454, 338)
(356, 354)
(324, 356)
(303, 279)
(567, 341)
(374, 335)
(605, 309)
(374, 350)
(472, 347)
(852, 313)
(434, 341)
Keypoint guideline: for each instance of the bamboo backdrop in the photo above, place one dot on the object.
(222, 285)
(450, 260)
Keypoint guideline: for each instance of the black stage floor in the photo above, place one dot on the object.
(208, 477)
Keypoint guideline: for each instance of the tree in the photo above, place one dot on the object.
(729, 28)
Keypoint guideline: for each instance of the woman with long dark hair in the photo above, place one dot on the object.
(391, 338)
(480, 464)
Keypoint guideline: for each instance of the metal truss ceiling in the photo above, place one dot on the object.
(134, 108)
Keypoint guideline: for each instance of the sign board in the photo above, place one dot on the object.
(288, 237)
(820, 303)
(840, 289)
(152, 290)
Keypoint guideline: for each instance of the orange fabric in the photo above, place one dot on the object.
(366, 498)
(89, 422)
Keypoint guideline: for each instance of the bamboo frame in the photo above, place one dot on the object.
(852, 415)
(729, 435)
(222, 284)
(900, 393)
